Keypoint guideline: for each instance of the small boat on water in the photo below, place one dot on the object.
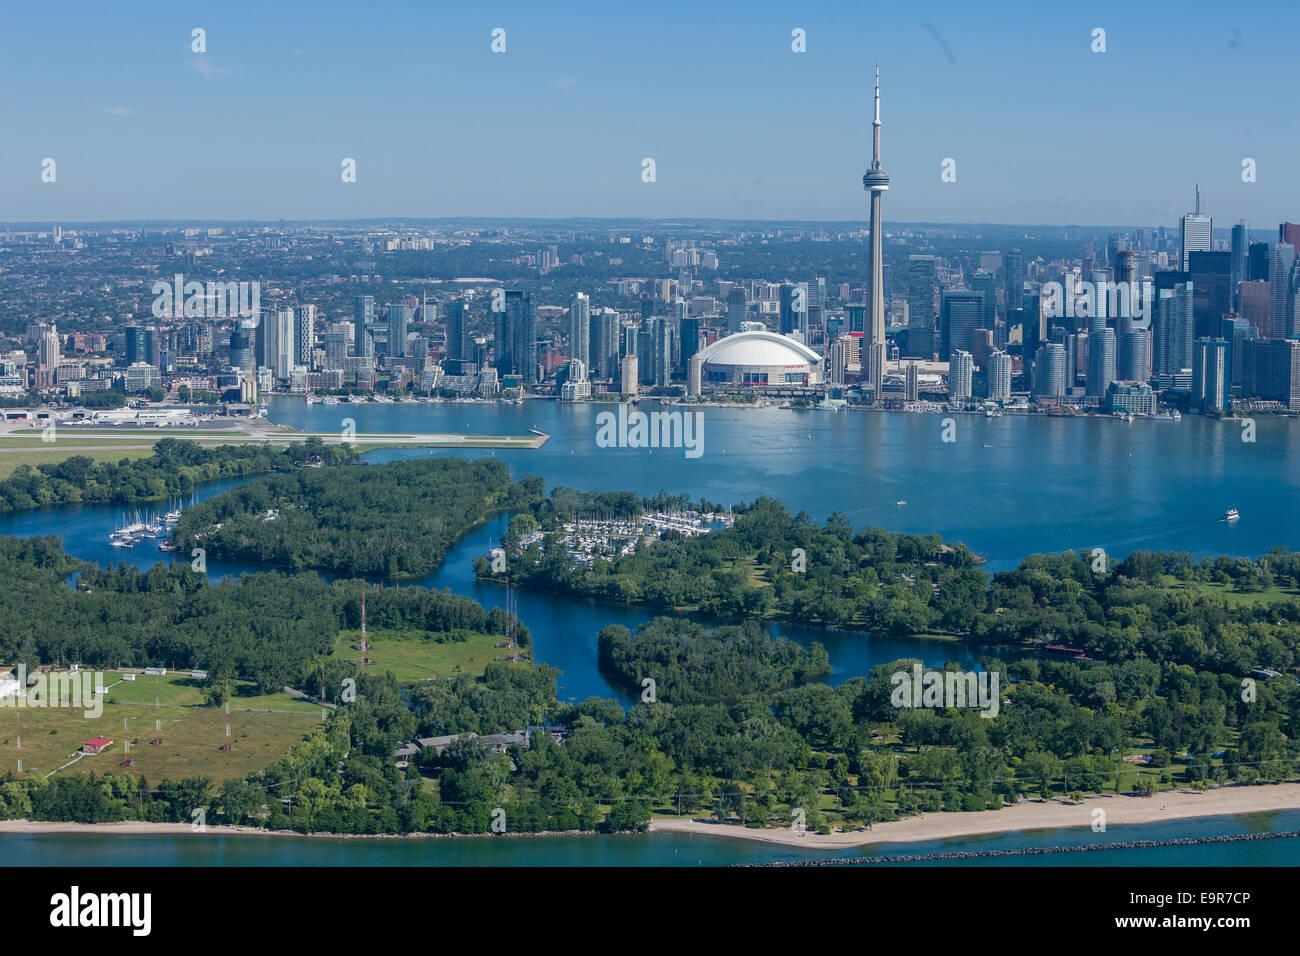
(1231, 515)
(899, 504)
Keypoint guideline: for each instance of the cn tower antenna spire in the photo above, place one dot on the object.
(877, 122)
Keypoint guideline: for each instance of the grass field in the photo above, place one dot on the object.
(10, 460)
(1231, 594)
(180, 690)
(263, 726)
(410, 657)
(192, 739)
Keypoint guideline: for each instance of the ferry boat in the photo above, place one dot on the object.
(1231, 515)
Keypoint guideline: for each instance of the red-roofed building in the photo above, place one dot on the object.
(96, 744)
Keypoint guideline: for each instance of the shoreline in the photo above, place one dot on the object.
(1120, 810)
(1028, 816)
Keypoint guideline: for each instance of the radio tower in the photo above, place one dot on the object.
(157, 713)
(365, 647)
(876, 182)
(229, 744)
(510, 610)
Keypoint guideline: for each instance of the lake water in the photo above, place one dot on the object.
(652, 849)
(1007, 487)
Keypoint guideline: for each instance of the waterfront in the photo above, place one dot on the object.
(1044, 484)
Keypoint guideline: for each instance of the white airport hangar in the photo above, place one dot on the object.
(759, 359)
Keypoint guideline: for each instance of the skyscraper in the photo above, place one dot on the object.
(580, 329)
(604, 347)
(1236, 332)
(1240, 261)
(986, 283)
(661, 341)
(922, 289)
(362, 315)
(1050, 381)
(961, 313)
(304, 333)
(1271, 371)
(629, 383)
(1101, 361)
(786, 320)
(876, 182)
(47, 351)
(1281, 313)
(1212, 290)
(1210, 374)
(457, 330)
(282, 347)
(1196, 232)
(521, 329)
(999, 377)
(1173, 326)
(689, 334)
(1133, 359)
(960, 372)
(1013, 278)
(399, 319)
(737, 304)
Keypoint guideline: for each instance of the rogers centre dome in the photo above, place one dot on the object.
(759, 359)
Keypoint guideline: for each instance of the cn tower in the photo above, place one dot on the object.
(876, 182)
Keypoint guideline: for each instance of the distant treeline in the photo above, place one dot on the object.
(395, 520)
(176, 467)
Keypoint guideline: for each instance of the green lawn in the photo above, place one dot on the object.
(10, 460)
(192, 739)
(1231, 594)
(178, 689)
(411, 657)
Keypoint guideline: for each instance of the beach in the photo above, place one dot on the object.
(1048, 815)
(1029, 815)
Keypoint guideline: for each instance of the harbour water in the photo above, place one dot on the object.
(1007, 487)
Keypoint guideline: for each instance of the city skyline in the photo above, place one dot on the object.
(740, 125)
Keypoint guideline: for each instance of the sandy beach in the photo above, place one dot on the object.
(1055, 814)
(1171, 805)
(126, 827)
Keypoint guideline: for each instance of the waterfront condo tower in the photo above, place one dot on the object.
(876, 182)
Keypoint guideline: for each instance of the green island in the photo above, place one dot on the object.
(393, 521)
(175, 468)
(1139, 676)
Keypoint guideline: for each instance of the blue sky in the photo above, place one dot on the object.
(1042, 129)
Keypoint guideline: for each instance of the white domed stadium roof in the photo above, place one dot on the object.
(752, 349)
